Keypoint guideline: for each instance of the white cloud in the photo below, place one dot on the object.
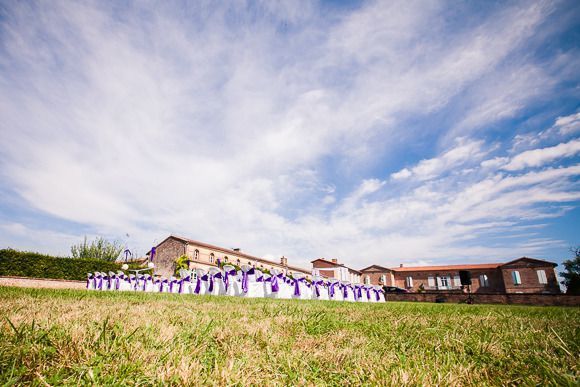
(264, 131)
(464, 152)
(568, 124)
(542, 156)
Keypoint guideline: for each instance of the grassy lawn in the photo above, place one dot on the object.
(77, 337)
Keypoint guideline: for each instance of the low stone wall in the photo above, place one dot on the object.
(25, 282)
(482, 298)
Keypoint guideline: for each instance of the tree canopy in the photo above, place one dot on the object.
(572, 274)
(100, 248)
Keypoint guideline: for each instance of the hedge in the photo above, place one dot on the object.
(28, 264)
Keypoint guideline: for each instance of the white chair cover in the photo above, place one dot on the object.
(334, 290)
(201, 284)
(319, 289)
(347, 291)
(301, 290)
(232, 285)
(249, 286)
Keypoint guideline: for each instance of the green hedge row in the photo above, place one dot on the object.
(27, 264)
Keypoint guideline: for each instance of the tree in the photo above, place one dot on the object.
(572, 273)
(100, 248)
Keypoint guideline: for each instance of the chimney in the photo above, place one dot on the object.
(284, 261)
(400, 265)
(237, 249)
(334, 260)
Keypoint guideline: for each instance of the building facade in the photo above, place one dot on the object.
(333, 269)
(203, 255)
(522, 275)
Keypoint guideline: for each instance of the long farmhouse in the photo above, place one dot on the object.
(522, 275)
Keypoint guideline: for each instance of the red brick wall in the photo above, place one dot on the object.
(482, 298)
(494, 277)
(375, 276)
(529, 278)
(166, 254)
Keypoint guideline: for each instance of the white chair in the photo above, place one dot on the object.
(184, 285)
(216, 284)
(378, 294)
(267, 284)
(123, 280)
(334, 290)
(278, 288)
(249, 286)
(148, 285)
(90, 281)
(133, 282)
(114, 282)
(347, 291)
(301, 290)
(201, 283)
(232, 286)
(319, 289)
(359, 294)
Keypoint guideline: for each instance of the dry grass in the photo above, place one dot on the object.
(76, 337)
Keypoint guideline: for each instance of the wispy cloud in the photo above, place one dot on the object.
(376, 132)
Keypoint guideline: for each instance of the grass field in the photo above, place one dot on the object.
(77, 337)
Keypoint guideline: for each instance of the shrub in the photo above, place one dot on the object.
(29, 264)
(100, 248)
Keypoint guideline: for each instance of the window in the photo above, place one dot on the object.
(196, 254)
(226, 258)
(483, 281)
(516, 277)
(367, 280)
(542, 277)
(409, 282)
(211, 257)
(431, 282)
(457, 281)
(384, 279)
(444, 282)
(238, 261)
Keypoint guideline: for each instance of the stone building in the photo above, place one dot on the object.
(333, 269)
(203, 255)
(522, 275)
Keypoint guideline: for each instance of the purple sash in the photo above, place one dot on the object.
(211, 279)
(316, 284)
(144, 282)
(274, 281)
(297, 285)
(368, 289)
(227, 277)
(89, 278)
(245, 275)
(198, 284)
(181, 281)
(331, 289)
(162, 284)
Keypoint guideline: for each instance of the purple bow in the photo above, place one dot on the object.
(211, 279)
(274, 281)
(227, 277)
(89, 278)
(297, 286)
(368, 289)
(245, 275)
(181, 281)
(331, 289)
(198, 284)
(316, 284)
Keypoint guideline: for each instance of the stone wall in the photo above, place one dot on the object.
(482, 298)
(166, 254)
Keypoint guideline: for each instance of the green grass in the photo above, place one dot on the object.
(77, 337)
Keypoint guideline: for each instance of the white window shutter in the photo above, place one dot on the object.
(431, 282)
(409, 282)
(457, 281)
(516, 277)
(439, 284)
(542, 277)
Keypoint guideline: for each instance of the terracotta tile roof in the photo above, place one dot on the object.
(473, 266)
(231, 251)
(336, 264)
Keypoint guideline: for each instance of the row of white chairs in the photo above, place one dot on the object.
(247, 282)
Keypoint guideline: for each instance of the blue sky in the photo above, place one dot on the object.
(373, 132)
